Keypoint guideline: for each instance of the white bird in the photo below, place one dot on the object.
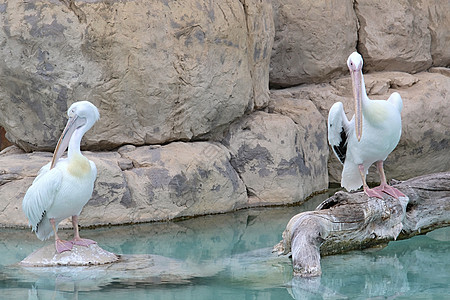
(369, 137)
(64, 185)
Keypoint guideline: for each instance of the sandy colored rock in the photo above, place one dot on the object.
(440, 70)
(423, 148)
(278, 160)
(394, 36)
(17, 172)
(182, 179)
(439, 22)
(157, 71)
(312, 39)
(78, 256)
(261, 33)
(111, 197)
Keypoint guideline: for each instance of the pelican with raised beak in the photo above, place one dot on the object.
(369, 137)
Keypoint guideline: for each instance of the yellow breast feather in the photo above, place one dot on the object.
(79, 166)
(376, 114)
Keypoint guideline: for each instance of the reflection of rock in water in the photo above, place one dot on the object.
(259, 269)
(358, 274)
(417, 267)
(311, 288)
(129, 271)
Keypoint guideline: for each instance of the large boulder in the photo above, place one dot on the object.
(312, 39)
(183, 179)
(399, 36)
(158, 71)
(281, 157)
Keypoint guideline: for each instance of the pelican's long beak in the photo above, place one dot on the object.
(357, 94)
(64, 140)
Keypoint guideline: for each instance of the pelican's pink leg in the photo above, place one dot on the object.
(384, 187)
(60, 245)
(76, 239)
(369, 192)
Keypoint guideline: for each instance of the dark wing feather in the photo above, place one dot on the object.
(341, 149)
(338, 125)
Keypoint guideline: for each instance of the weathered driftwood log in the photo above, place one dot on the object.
(350, 221)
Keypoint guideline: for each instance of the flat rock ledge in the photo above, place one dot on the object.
(79, 256)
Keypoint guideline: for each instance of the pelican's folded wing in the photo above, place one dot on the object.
(41, 194)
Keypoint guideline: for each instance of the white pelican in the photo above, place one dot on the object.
(370, 136)
(64, 186)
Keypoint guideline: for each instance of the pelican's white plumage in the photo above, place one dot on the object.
(63, 186)
(369, 137)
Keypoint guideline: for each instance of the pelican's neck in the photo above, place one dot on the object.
(79, 166)
(74, 144)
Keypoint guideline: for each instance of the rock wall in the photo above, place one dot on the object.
(314, 38)
(188, 124)
(158, 71)
(403, 35)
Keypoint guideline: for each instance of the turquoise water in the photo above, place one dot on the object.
(228, 257)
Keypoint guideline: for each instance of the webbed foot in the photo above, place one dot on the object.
(392, 191)
(62, 245)
(373, 193)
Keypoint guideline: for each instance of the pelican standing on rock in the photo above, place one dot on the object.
(369, 137)
(65, 185)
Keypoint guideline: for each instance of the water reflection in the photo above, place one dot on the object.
(226, 256)
(418, 268)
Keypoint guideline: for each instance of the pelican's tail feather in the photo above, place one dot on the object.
(351, 178)
(44, 229)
